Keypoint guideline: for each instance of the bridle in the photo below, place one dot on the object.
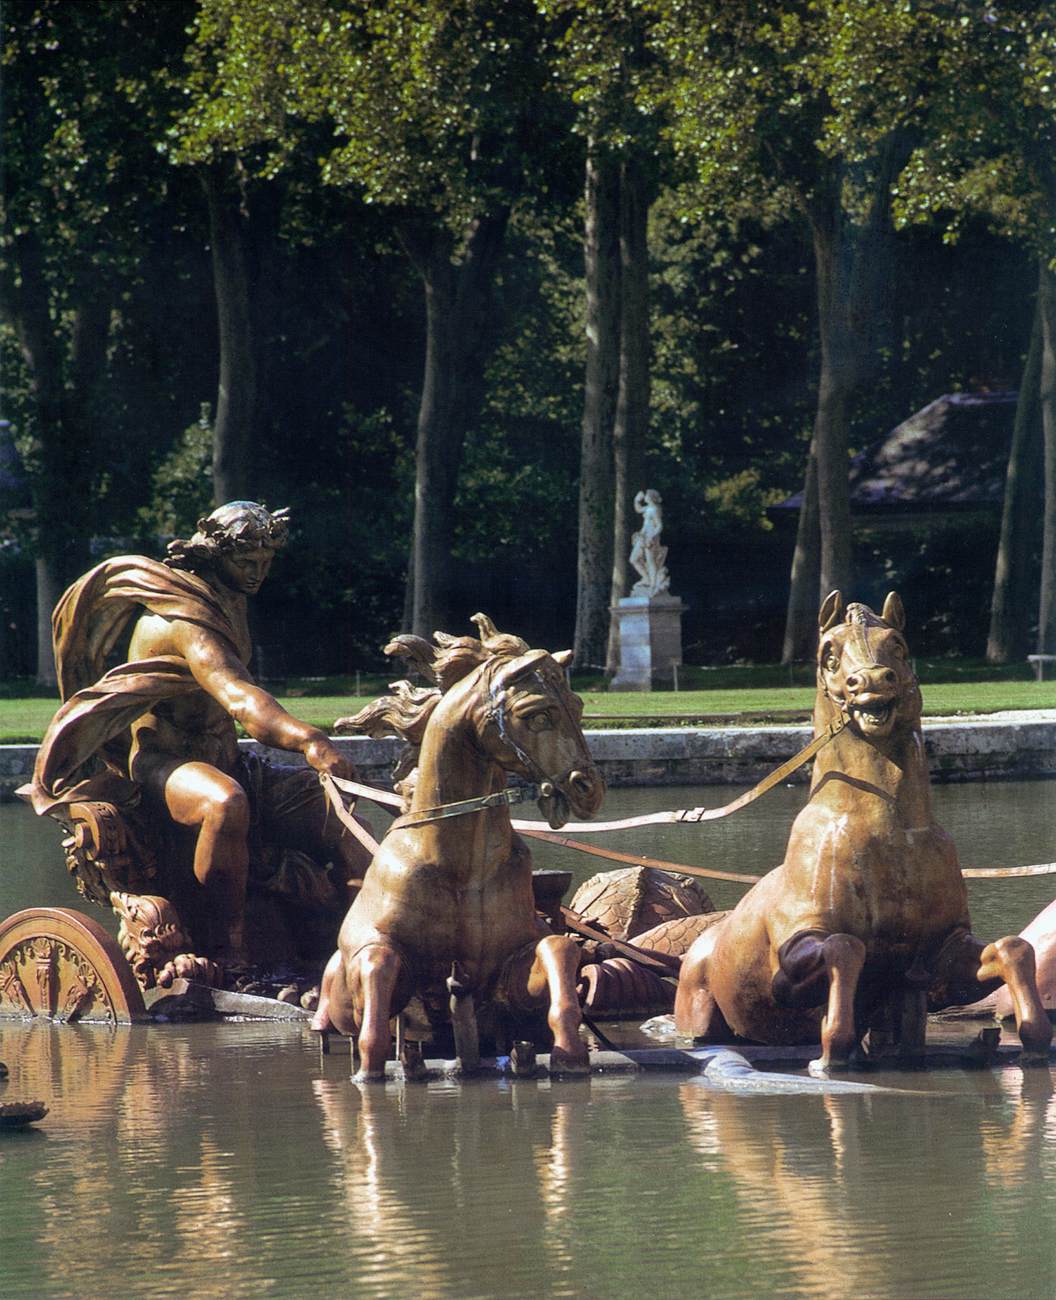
(541, 784)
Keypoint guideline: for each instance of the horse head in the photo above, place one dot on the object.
(864, 670)
(535, 730)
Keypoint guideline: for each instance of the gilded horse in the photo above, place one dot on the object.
(864, 927)
(447, 902)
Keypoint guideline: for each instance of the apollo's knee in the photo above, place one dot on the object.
(228, 810)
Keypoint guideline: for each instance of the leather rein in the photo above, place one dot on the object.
(336, 786)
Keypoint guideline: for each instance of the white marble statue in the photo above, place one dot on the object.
(647, 555)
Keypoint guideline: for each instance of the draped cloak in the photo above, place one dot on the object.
(84, 754)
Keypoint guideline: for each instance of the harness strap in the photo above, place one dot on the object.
(337, 804)
(638, 860)
(661, 962)
(354, 788)
(694, 815)
(498, 799)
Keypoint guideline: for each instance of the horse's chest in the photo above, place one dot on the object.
(439, 915)
(874, 877)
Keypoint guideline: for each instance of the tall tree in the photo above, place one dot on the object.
(86, 91)
(1011, 605)
(236, 399)
(596, 467)
(603, 62)
(436, 110)
(752, 98)
(989, 147)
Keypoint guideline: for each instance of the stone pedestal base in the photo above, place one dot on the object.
(650, 641)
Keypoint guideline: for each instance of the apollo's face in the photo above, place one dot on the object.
(245, 570)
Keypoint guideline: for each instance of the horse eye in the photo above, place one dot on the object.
(832, 661)
(540, 722)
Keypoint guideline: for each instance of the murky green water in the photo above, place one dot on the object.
(232, 1160)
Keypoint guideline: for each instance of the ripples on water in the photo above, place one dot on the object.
(231, 1160)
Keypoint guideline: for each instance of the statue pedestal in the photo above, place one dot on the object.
(650, 641)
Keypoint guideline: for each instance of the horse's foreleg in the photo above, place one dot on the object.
(965, 964)
(697, 1014)
(377, 970)
(554, 969)
(321, 1021)
(844, 957)
(819, 969)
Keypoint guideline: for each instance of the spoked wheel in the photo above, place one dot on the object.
(61, 965)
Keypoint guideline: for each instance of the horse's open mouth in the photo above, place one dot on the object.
(875, 716)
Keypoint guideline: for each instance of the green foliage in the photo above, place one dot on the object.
(981, 80)
(431, 104)
(182, 484)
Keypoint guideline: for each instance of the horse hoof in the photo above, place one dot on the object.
(369, 1076)
(523, 1064)
(567, 1065)
(1030, 1059)
(824, 1066)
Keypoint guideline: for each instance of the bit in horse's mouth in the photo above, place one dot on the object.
(874, 715)
(555, 808)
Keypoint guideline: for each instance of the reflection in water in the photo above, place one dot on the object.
(229, 1160)
(419, 1213)
(816, 1175)
(225, 1160)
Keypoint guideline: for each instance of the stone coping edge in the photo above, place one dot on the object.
(977, 750)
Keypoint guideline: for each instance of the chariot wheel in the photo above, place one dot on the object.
(58, 964)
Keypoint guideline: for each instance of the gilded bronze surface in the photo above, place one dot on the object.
(446, 912)
(864, 927)
(61, 965)
(142, 767)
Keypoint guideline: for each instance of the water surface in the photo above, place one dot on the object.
(233, 1160)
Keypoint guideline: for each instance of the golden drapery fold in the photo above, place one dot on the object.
(99, 706)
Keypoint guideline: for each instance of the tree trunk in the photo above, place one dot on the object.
(601, 255)
(458, 316)
(1047, 594)
(62, 466)
(1010, 605)
(853, 260)
(835, 388)
(801, 628)
(632, 404)
(236, 401)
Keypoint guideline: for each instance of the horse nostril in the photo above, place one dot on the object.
(581, 783)
(889, 676)
(853, 682)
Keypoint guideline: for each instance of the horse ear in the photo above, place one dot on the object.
(562, 657)
(517, 668)
(893, 612)
(831, 611)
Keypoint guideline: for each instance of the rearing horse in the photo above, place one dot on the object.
(867, 917)
(451, 891)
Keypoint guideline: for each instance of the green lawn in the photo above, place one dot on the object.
(750, 694)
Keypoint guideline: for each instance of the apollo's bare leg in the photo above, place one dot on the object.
(198, 795)
(554, 970)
